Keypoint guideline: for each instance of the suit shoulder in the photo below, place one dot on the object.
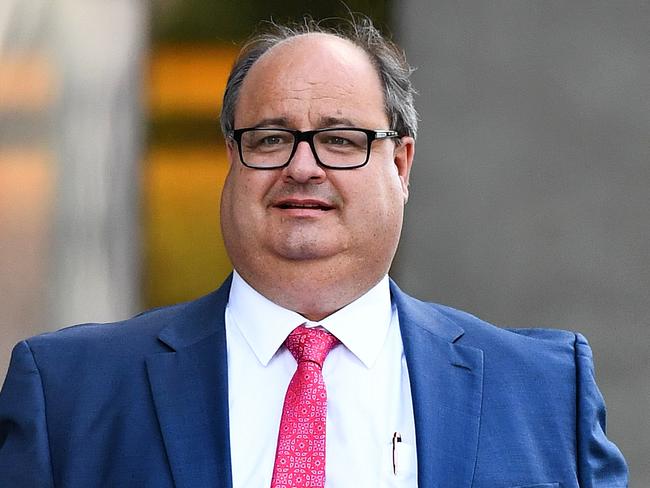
(138, 333)
(462, 327)
(545, 334)
(472, 323)
(541, 346)
(517, 359)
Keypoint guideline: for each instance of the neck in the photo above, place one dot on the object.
(312, 291)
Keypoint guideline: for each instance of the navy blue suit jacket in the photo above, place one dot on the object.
(144, 403)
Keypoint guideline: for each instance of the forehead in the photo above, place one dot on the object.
(310, 77)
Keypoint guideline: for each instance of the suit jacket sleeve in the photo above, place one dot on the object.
(600, 463)
(24, 447)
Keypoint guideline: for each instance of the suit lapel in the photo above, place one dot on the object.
(190, 391)
(446, 388)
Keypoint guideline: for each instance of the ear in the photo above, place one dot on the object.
(403, 157)
(231, 151)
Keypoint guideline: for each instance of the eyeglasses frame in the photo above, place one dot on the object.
(308, 136)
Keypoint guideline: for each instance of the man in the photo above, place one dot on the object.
(320, 130)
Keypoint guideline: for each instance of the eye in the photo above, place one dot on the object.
(271, 140)
(266, 139)
(337, 141)
(342, 140)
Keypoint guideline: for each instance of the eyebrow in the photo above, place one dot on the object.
(332, 121)
(274, 121)
(324, 122)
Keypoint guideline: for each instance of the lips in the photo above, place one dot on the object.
(303, 204)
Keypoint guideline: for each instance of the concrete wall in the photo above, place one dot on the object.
(530, 192)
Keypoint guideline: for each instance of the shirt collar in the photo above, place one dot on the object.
(362, 326)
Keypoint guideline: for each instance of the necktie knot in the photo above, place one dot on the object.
(310, 344)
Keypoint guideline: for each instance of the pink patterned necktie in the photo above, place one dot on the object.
(300, 455)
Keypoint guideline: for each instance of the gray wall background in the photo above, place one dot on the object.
(530, 201)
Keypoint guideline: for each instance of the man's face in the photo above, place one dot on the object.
(347, 220)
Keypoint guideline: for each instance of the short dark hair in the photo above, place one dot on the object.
(385, 55)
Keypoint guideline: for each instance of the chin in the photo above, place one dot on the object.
(304, 253)
(306, 249)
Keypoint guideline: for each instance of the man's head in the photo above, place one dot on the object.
(308, 236)
(387, 58)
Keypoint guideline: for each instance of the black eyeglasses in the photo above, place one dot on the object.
(336, 148)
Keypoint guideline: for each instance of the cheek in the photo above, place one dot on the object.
(377, 207)
(237, 206)
(388, 189)
(247, 188)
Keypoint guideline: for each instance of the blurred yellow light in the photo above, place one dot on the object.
(188, 79)
(185, 255)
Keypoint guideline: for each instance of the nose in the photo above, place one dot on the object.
(303, 167)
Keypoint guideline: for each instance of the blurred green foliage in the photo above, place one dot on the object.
(185, 130)
(228, 21)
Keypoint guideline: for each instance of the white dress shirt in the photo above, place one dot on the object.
(368, 391)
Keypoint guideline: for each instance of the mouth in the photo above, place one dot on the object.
(303, 205)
